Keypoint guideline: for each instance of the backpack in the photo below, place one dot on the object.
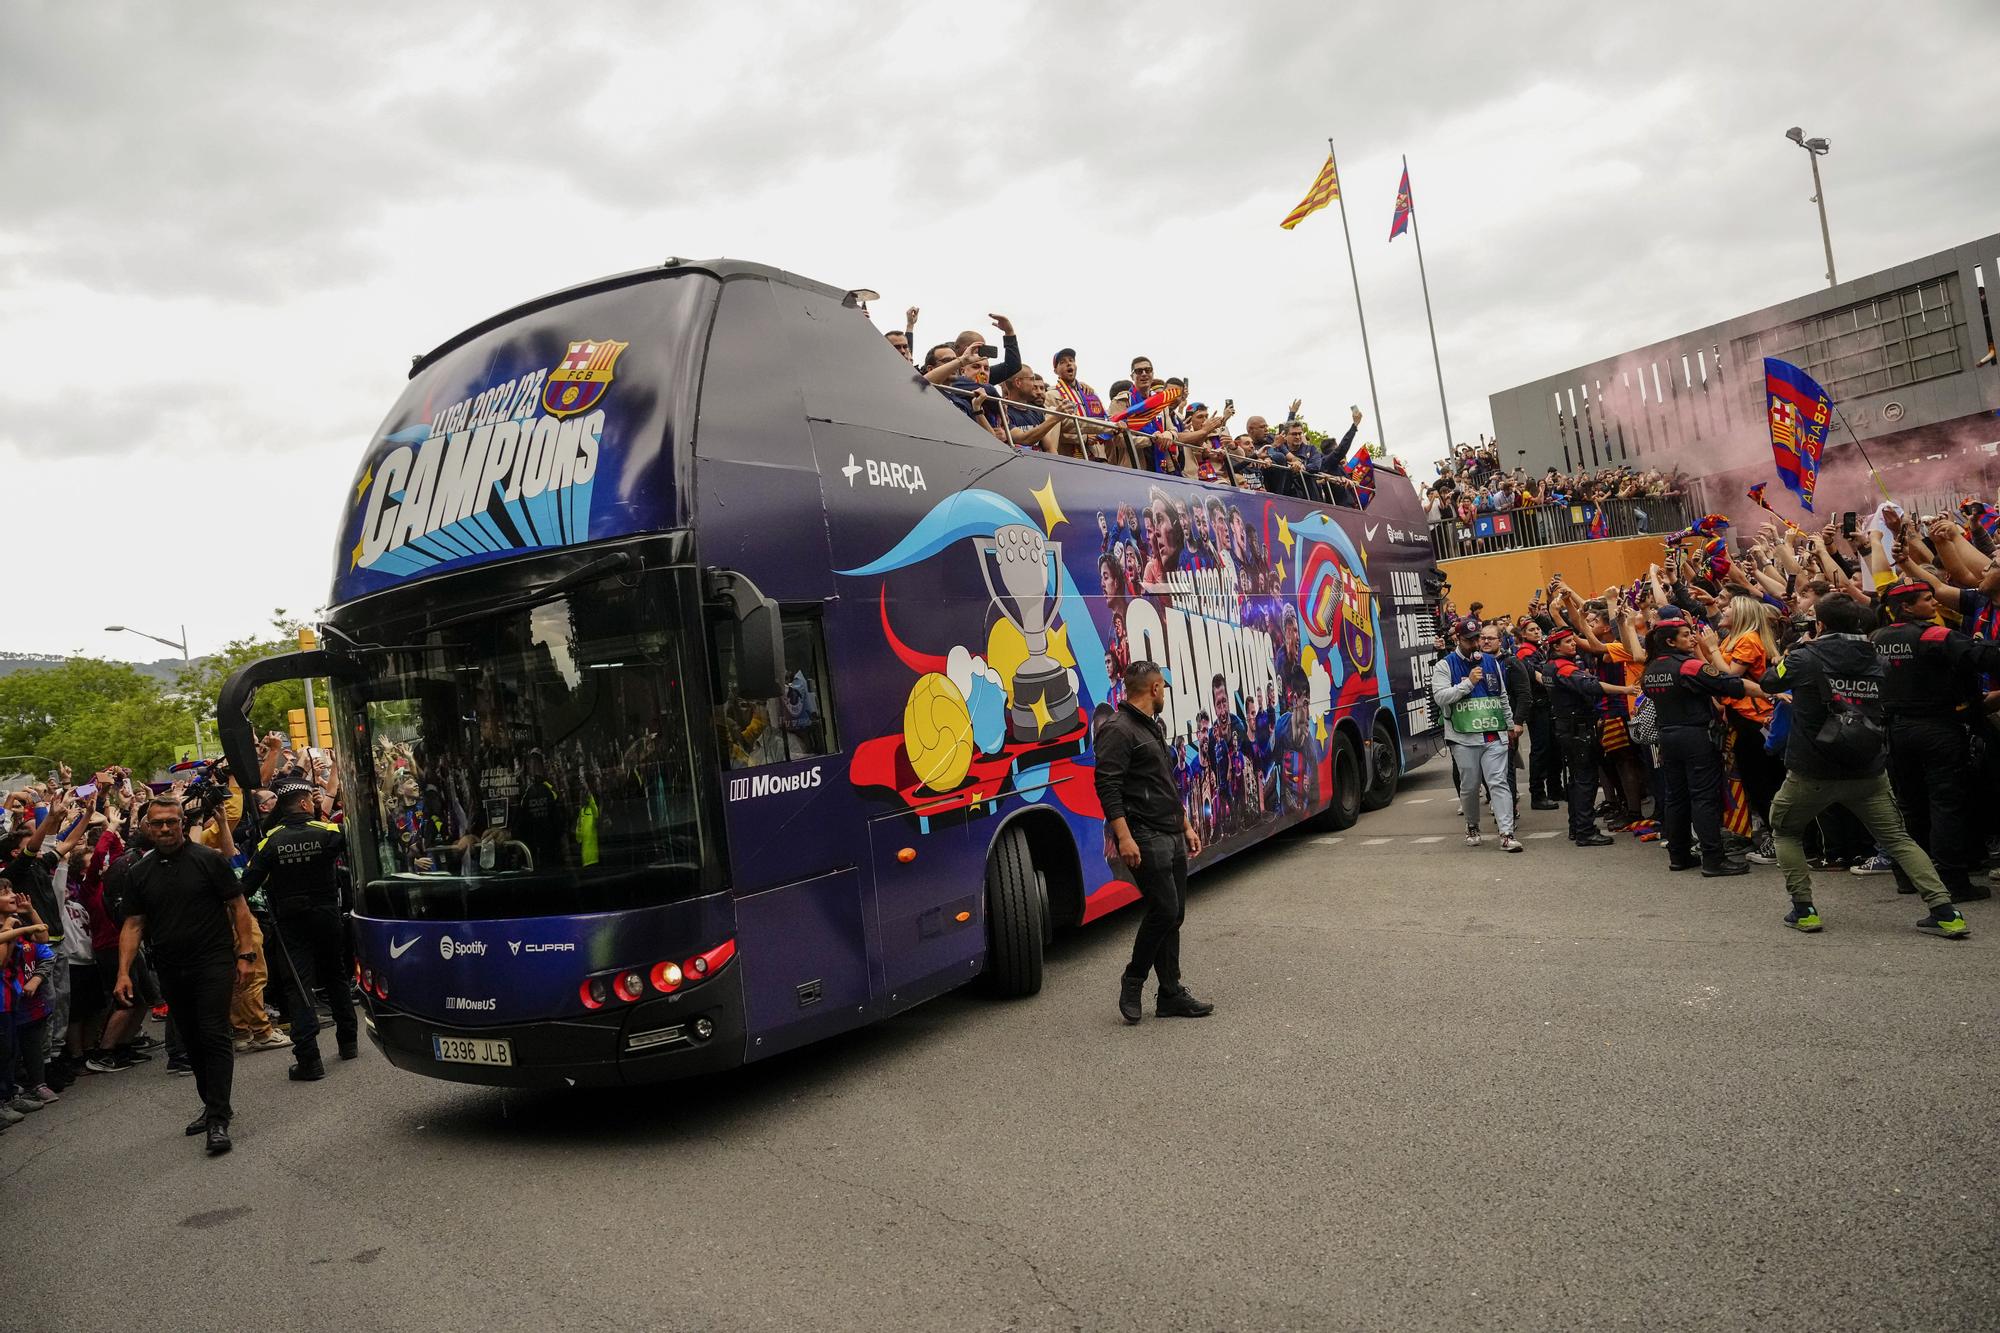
(1853, 735)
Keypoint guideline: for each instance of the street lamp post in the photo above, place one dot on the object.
(1817, 148)
(199, 752)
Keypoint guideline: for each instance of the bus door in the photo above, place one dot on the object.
(802, 921)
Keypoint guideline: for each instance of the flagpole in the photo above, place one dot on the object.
(1375, 401)
(1873, 475)
(1416, 234)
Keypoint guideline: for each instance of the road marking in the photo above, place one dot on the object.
(1326, 842)
(1375, 842)
(1430, 839)
(1418, 800)
(1545, 835)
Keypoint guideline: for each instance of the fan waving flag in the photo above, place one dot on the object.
(1800, 413)
(1401, 222)
(1325, 189)
(1361, 471)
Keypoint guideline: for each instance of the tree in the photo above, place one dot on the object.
(90, 713)
(270, 710)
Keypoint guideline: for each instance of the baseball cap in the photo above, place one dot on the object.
(1069, 352)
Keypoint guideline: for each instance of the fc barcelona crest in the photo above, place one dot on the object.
(581, 377)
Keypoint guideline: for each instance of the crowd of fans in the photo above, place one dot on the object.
(78, 985)
(1816, 700)
(1146, 421)
(1473, 482)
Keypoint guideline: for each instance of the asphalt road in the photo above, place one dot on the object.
(1445, 1089)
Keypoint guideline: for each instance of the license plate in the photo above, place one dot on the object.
(472, 1050)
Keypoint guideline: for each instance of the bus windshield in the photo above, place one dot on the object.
(534, 761)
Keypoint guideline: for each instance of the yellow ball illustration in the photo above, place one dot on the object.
(937, 732)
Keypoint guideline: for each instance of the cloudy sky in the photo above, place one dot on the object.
(226, 228)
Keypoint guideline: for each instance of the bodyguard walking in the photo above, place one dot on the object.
(1149, 832)
(183, 902)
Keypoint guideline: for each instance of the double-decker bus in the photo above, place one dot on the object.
(706, 683)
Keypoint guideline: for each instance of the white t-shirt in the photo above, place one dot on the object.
(75, 946)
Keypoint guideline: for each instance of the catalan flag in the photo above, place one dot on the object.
(1325, 189)
(1800, 412)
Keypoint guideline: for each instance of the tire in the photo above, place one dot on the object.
(1388, 768)
(1017, 917)
(1346, 804)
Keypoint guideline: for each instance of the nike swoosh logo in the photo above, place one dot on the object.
(398, 950)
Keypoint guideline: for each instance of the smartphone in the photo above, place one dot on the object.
(987, 350)
(1847, 523)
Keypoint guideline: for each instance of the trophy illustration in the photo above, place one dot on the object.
(1044, 704)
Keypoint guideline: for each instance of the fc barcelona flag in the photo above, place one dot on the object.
(1800, 414)
(1401, 222)
(1361, 471)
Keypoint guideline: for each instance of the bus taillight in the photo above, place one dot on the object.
(708, 964)
(630, 986)
(594, 993)
(667, 977)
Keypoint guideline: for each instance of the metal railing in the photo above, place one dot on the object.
(1556, 524)
(1102, 441)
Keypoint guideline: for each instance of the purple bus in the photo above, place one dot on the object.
(706, 683)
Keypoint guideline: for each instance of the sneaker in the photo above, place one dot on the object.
(1877, 864)
(142, 1042)
(45, 1094)
(1509, 843)
(1131, 1000)
(1761, 858)
(180, 1068)
(108, 1062)
(1951, 927)
(270, 1041)
(1472, 836)
(131, 1055)
(159, 1013)
(1803, 916)
(24, 1101)
(9, 1116)
(1181, 1004)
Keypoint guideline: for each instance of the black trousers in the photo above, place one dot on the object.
(1691, 782)
(1580, 756)
(199, 998)
(311, 936)
(1162, 876)
(1938, 787)
(1545, 758)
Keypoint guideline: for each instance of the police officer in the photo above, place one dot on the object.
(1683, 689)
(300, 859)
(1930, 691)
(1573, 696)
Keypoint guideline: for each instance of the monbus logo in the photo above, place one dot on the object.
(771, 784)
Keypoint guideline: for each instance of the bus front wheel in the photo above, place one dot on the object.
(1385, 765)
(1017, 917)
(1345, 807)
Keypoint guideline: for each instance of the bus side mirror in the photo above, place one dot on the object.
(760, 663)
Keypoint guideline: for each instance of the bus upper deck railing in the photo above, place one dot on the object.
(1103, 441)
(1556, 524)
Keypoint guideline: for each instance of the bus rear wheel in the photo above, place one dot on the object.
(1017, 917)
(1385, 764)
